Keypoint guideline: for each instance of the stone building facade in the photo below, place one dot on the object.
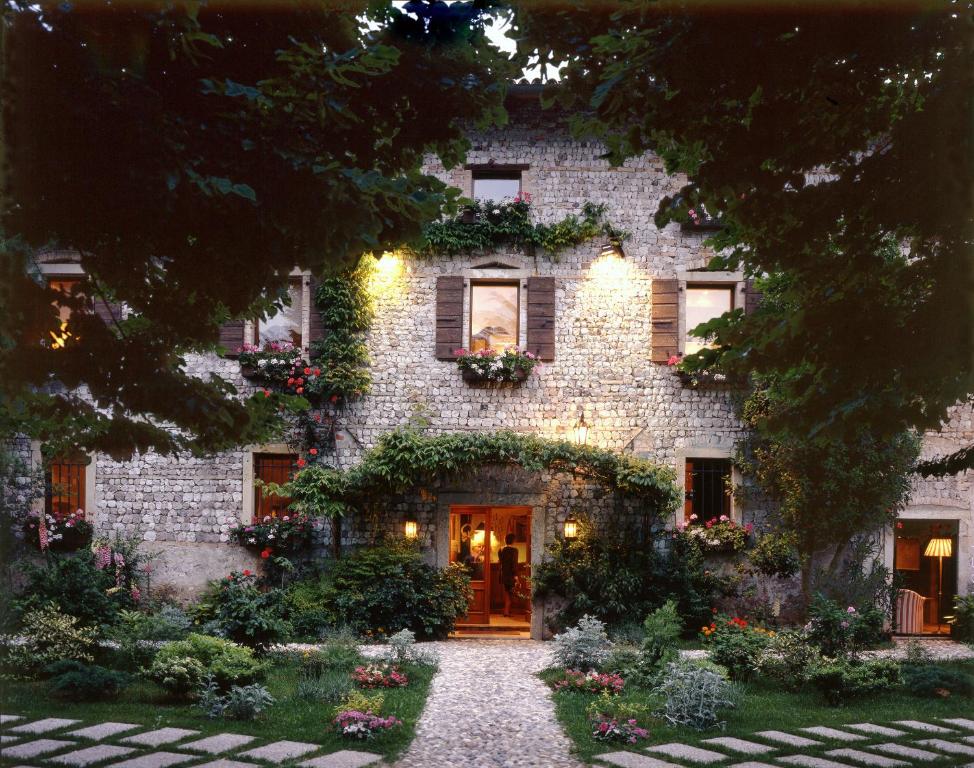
(602, 368)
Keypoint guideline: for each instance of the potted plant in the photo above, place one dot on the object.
(61, 532)
(489, 365)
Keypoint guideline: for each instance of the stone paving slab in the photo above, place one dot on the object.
(155, 760)
(740, 745)
(346, 758)
(89, 755)
(878, 730)
(159, 736)
(688, 753)
(911, 753)
(633, 760)
(751, 764)
(857, 755)
(919, 725)
(221, 742)
(807, 761)
(787, 738)
(44, 726)
(4, 719)
(948, 746)
(224, 763)
(5, 739)
(103, 730)
(833, 733)
(969, 739)
(34, 748)
(960, 722)
(280, 751)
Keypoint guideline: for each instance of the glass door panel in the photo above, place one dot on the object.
(470, 546)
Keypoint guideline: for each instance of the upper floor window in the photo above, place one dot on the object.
(286, 325)
(707, 484)
(494, 314)
(272, 468)
(703, 303)
(495, 186)
(64, 490)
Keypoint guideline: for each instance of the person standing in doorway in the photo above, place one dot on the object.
(508, 561)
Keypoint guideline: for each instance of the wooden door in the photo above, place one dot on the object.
(470, 546)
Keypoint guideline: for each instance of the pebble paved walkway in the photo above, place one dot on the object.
(487, 709)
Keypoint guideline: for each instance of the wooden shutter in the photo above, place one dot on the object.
(752, 297)
(449, 316)
(665, 328)
(316, 328)
(688, 490)
(541, 317)
(232, 337)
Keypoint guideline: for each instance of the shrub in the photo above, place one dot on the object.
(48, 636)
(933, 681)
(328, 688)
(77, 587)
(403, 650)
(627, 661)
(136, 633)
(181, 666)
(239, 611)
(839, 631)
(379, 676)
(662, 631)
(359, 701)
(845, 679)
(574, 681)
(962, 622)
(788, 659)
(694, 696)
(391, 588)
(353, 724)
(306, 607)
(241, 703)
(776, 554)
(334, 655)
(585, 646)
(85, 682)
(736, 645)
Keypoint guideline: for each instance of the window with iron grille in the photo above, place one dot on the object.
(272, 468)
(707, 483)
(65, 487)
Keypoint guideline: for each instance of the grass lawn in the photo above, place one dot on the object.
(290, 718)
(761, 706)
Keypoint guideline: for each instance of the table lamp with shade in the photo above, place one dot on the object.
(939, 547)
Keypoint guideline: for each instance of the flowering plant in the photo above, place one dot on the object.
(718, 534)
(590, 682)
(379, 676)
(58, 531)
(606, 728)
(488, 364)
(363, 725)
(736, 645)
(273, 362)
(286, 533)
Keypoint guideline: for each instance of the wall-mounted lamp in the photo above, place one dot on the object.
(612, 248)
(571, 529)
(411, 529)
(581, 428)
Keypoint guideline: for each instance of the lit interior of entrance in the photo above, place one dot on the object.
(494, 545)
(918, 566)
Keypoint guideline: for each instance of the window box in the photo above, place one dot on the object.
(703, 379)
(249, 371)
(490, 366)
(475, 377)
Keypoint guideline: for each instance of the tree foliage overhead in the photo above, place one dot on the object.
(193, 155)
(835, 143)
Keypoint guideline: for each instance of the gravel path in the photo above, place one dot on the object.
(487, 709)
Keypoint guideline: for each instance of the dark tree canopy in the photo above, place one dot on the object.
(193, 155)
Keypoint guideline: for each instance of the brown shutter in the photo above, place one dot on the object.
(688, 490)
(541, 317)
(664, 339)
(449, 316)
(316, 328)
(232, 337)
(752, 297)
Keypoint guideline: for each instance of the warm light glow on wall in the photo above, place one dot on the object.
(60, 337)
(611, 269)
(386, 275)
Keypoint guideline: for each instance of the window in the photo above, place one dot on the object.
(707, 483)
(704, 302)
(495, 186)
(494, 315)
(65, 486)
(286, 325)
(68, 286)
(272, 468)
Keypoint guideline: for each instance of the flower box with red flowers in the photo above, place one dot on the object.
(275, 535)
(719, 534)
(492, 366)
(576, 681)
(58, 532)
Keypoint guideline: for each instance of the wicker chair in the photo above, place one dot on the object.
(909, 612)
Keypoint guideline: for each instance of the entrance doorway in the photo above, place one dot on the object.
(501, 583)
(929, 571)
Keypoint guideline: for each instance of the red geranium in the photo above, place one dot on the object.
(266, 553)
(313, 451)
(301, 462)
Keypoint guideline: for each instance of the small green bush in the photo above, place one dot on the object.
(181, 666)
(76, 586)
(737, 646)
(962, 620)
(788, 659)
(327, 688)
(776, 554)
(695, 696)
(932, 681)
(137, 633)
(582, 647)
(242, 702)
(85, 682)
(48, 637)
(843, 631)
(662, 633)
(842, 680)
(238, 610)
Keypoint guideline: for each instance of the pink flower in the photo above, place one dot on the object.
(724, 518)
(850, 609)
(674, 359)
(693, 517)
(844, 625)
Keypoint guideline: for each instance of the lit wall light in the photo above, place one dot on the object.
(581, 428)
(571, 529)
(385, 274)
(612, 248)
(411, 529)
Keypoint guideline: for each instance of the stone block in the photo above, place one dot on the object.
(960, 722)
(44, 726)
(833, 734)
(5, 739)
(687, 752)
(155, 760)
(103, 730)
(159, 736)
(877, 730)
(4, 719)
(633, 760)
(950, 747)
(31, 749)
(919, 725)
(89, 755)
(866, 758)
(751, 764)
(346, 758)
(740, 745)
(808, 761)
(910, 753)
(281, 751)
(224, 763)
(790, 739)
(221, 742)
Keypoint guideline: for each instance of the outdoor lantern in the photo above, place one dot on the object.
(581, 429)
(612, 248)
(939, 547)
(571, 528)
(412, 529)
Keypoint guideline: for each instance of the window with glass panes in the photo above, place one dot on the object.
(286, 324)
(703, 303)
(494, 315)
(272, 468)
(65, 487)
(496, 186)
(707, 485)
